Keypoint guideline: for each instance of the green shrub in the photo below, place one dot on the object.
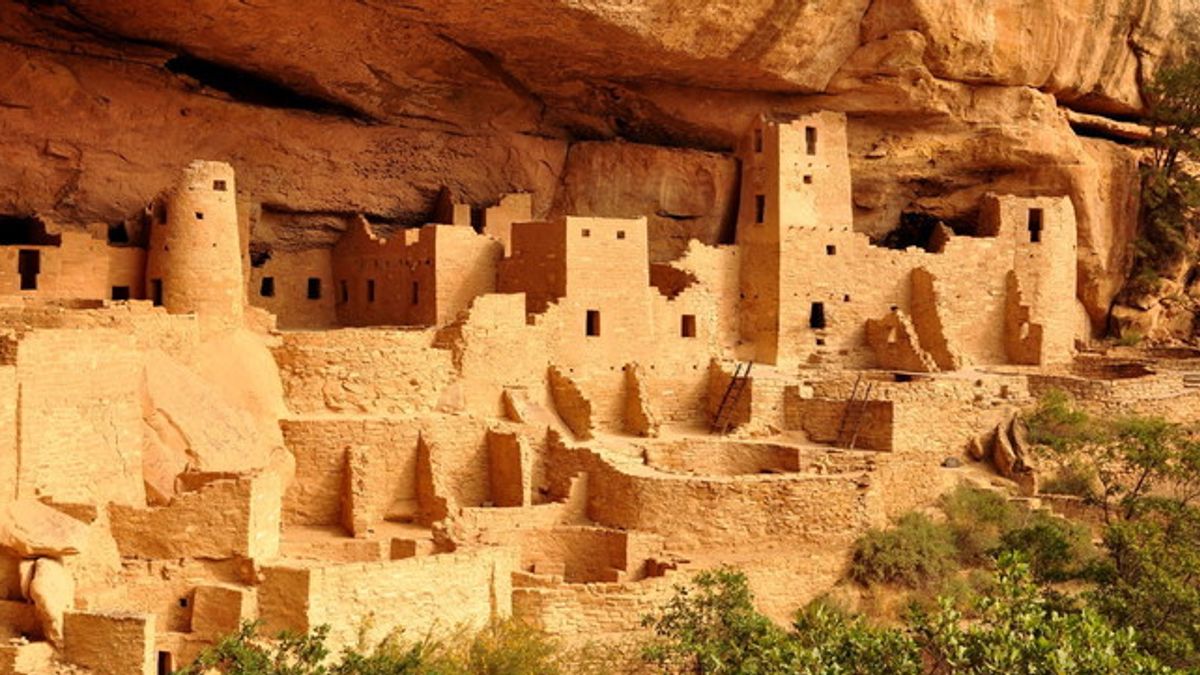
(1056, 549)
(917, 552)
(977, 519)
(1074, 478)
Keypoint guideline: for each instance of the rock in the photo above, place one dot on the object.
(977, 448)
(951, 463)
(1004, 458)
(52, 592)
(29, 528)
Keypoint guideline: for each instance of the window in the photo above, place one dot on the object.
(219, 185)
(370, 290)
(816, 316)
(120, 293)
(587, 232)
(830, 249)
(810, 140)
(758, 140)
(687, 326)
(345, 291)
(760, 208)
(166, 663)
(156, 292)
(199, 215)
(593, 323)
(808, 180)
(29, 265)
(620, 234)
(416, 292)
(117, 234)
(266, 287)
(314, 288)
(846, 298)
(1035, 225)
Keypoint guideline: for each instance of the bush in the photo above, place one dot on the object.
(1073, 478)
(977, 519)
(1056, 549)
(917, 552)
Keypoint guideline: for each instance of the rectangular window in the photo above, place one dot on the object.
(760, 208)
(620, 234)
(345, 289)
(199, 215)
(687, 326)
(29, 265)
(1035, 225)
(266, 287)
(816, 316)
(810, 140)
(831, 250)
(219, 185)
(314, 288)
(587, 232)
(156, 292)
(120, 293)
(593, 323)
(370, 290)
(758, 140)
(808, 180)
(416, 292)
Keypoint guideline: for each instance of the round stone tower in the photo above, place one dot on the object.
(194, 263)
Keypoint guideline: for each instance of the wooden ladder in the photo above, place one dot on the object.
(733, 394)
(856, 408)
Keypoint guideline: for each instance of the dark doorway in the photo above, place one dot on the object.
(370, 290)
(816, 316)
(156, 292)
(593, 323)
(166, 663)
(120, 293)
(760, 208)
(687, 327)
(416, 292)
(314, 288)
(29, 265)
(266, 287)
(810, 140)
(1035, 225)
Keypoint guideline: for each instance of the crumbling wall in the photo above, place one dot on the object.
(896, 344)
(571, 404)
(927, 313)
(869, 425)
(593, 612)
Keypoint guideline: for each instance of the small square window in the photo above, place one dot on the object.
(620, 234)
(587, 232)
(846, 298)
(830, 249)
(808, 180)
(120, 293)
(266, 287)
(219, 185)
(593, 323)
(314, 288)
(687, 326)
(820, 342)
(199, 215)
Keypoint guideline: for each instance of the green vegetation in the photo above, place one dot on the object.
(916, 553)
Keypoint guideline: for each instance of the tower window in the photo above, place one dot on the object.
(370, 290)
(808, 180)
(586, 232)
(120, 293)
(416, 292)
(830, 249)
(758, 140)
(156, 292)
(593, 323)
(1035, 225)
(687, 326)
(266, 287)
(620, 234)
(199, 215)
(760, 208)
(816, 316)
(219, 185)
(117, 234)
(810, 140)
(345, 289)
(29, 265)
(314, 288)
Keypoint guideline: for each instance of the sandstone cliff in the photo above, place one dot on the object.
(601, 107)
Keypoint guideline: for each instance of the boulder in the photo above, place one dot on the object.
(52, 591)
(30, 529)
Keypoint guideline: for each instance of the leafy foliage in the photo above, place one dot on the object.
(915, 553)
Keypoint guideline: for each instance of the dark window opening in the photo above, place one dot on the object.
(810, 140)
(830, 249)
(587, 232)
(593, 323)
(266, 287)
(846, 298)
(314, 288)
(199, 215)
(118, 234)
(260, 253)
(183, 602)
(370, 290)
(760, 208)
(820, 342)
(416, 292)
(808, 180)
(19, 231)
(156, 292)
(1035, 225)
(120, 293)
(29, 265)
(816, 316)
(166, 663)
(345, 291)
(477, 219)
(620, 234)
(687, 327)
(220, 186)
(758, 140)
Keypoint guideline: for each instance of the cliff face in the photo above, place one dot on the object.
(602, 107)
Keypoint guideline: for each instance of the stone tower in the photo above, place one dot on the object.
(194, 263)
